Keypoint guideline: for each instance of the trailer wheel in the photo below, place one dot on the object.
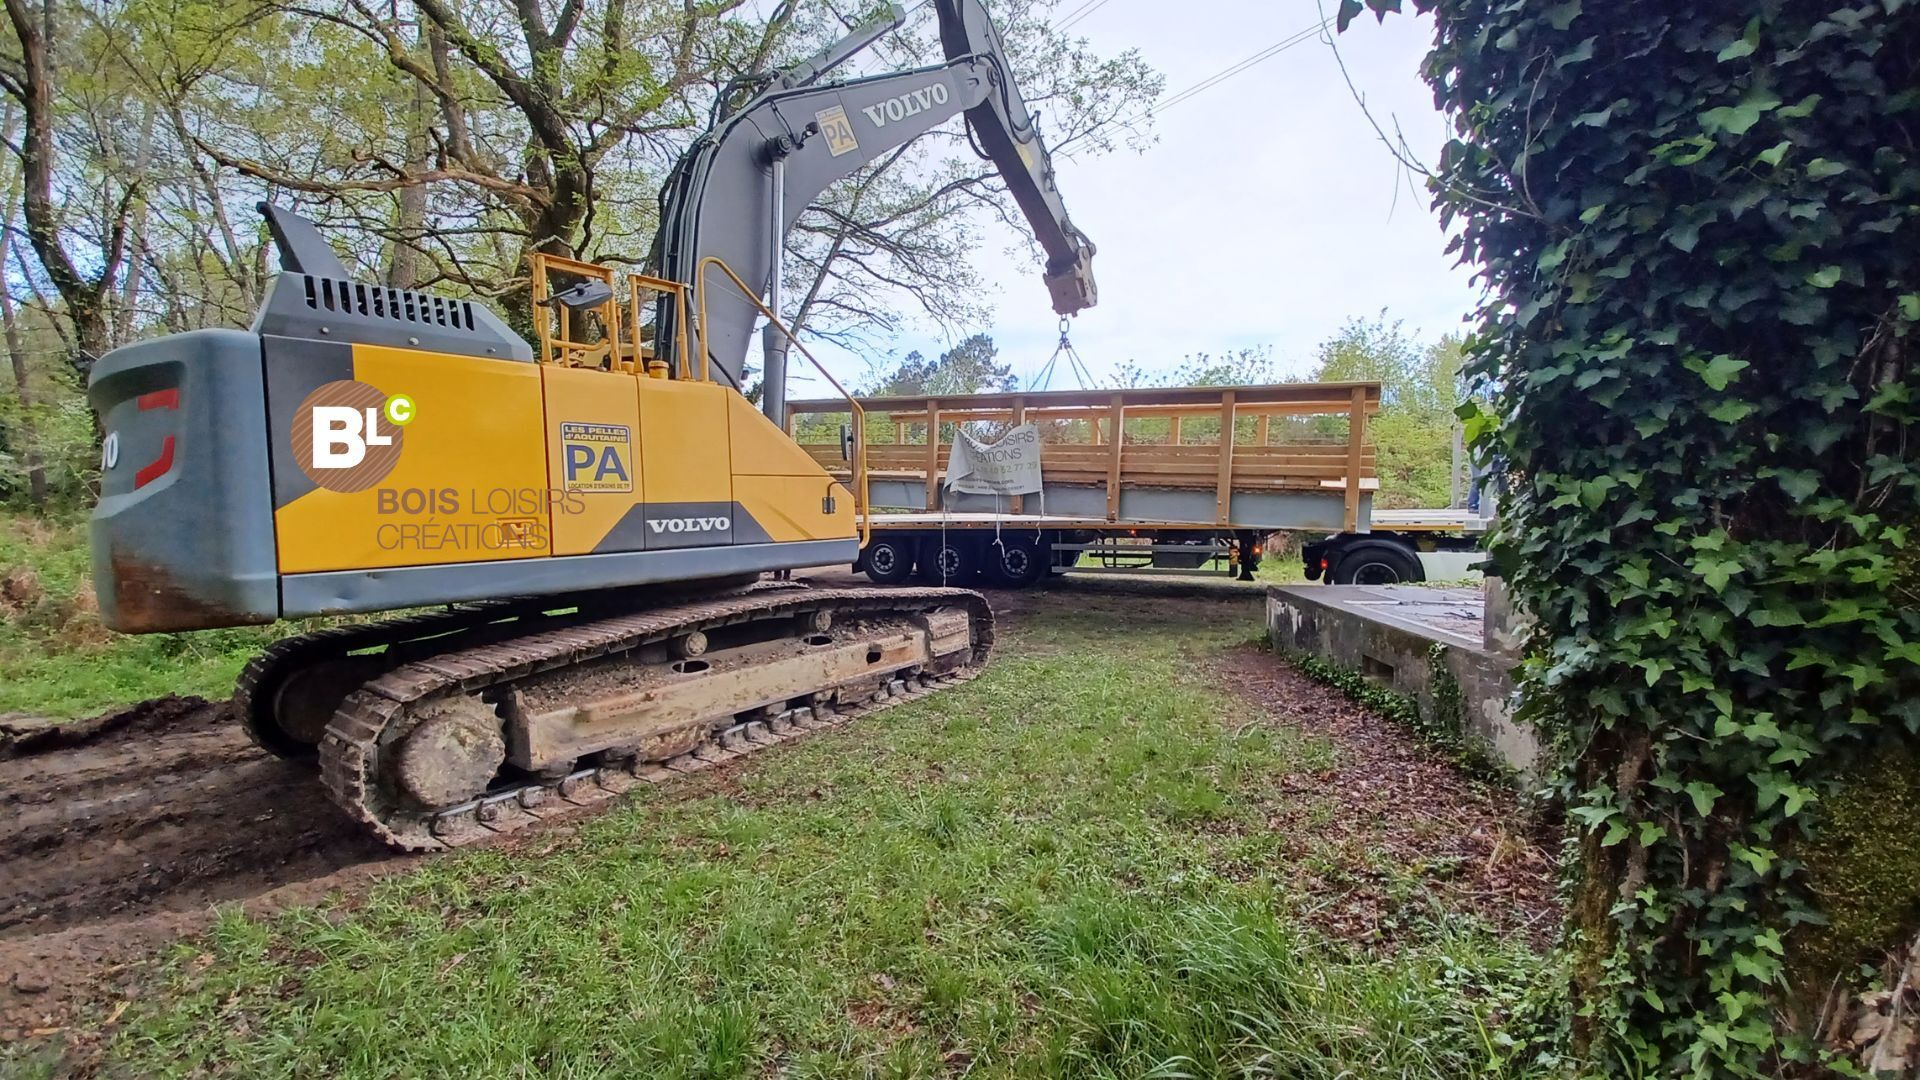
(949, 561)
(1376, 563)
(1016, 564)
(889, 560)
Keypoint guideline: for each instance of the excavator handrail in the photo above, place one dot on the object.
(858, 414)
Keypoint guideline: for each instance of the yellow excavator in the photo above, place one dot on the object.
(582, 527)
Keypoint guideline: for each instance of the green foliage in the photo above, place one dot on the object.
(1700, 230)
(1419, 393)
(1863, 864)
(970, 367)
(59, 660)
(1242, 367)
(1441, 725)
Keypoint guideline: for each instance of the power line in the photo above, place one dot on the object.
(1297, 38)
(1077, 12)
(1082, 12)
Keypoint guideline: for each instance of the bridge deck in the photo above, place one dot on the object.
(1298, 456)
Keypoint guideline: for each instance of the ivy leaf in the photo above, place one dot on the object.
(1731, 412)
(1760, 859)
(1716, 572)
(1820, 169)
(1594, 492)
(1720, 371)
(1598, 118)
(1739, 119)
(1777, 616)
(1703, 795)
(1616, 832)
(1798, 483)
(1825, 278)
(1799, 110)
(1592, 816)
(1744, 45)
(1772, 155)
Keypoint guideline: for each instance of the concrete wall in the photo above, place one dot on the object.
(1350, 627)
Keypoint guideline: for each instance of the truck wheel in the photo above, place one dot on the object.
(1376, 563)
(951, 561)
(1016, 564)
(889, 560)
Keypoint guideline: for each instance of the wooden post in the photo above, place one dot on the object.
(1356, 438)
(933, 455)
(899, 433)
(1118, 421)
(1223, 489)
(1173, 430)
(1094, 423)
(1019, 417)
(1261, 435)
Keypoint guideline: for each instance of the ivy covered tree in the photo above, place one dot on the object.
(1699, 228)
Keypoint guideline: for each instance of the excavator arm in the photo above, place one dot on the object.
(737, 191)
(1005, 131)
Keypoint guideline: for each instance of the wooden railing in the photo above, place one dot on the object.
(1160, 442)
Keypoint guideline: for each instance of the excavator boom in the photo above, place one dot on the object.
(736, 193)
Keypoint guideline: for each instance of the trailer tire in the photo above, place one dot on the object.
(951, 560)
(889, 560)
(1016, 564)
(1376, 563)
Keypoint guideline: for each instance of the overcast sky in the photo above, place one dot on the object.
(1265, 215)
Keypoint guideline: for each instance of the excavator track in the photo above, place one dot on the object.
(415, 727)
(261, 683)
(297, 682)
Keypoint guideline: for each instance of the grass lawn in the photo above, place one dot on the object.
(60, 662)
(1061, 868)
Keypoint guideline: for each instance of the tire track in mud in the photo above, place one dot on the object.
(174, 810)
(120, 833)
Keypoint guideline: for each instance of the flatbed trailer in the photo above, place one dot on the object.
(1131, 480)
(1401, 546)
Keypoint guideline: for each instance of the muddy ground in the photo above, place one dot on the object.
(118, 836)
(122, 834)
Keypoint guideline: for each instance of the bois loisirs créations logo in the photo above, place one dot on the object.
(347, 435)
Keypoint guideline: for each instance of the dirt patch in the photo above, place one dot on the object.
(1390, 805)
(122, 832)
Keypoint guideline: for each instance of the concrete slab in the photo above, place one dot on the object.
(1415, 641)
(1453, 614)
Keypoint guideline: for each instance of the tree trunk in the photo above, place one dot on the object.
(137, 233)
(403, 261)
(16, 350)
(85, 297)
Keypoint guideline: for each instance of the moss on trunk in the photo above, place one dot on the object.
(1863, 868)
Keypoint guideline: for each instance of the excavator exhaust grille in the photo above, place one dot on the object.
(327, 308)
(382, 302)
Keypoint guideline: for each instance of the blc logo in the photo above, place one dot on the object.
(347, 435)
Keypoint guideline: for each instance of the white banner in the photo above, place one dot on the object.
(1008, 467)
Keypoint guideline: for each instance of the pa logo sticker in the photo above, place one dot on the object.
(597, 457)
(347, 434)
